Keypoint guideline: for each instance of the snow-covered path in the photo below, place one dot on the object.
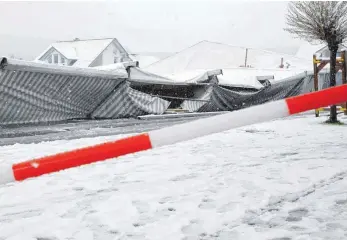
(278, 180)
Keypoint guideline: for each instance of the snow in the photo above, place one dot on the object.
(185, 77)
(284, 179)
(53, 68)
(116, 67)
(211, 55)
(144, 60)
(247, 77)
(193, 76)
(306, 50)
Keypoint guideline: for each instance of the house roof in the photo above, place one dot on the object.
(212, 55)
(84, 51)
(306, 50)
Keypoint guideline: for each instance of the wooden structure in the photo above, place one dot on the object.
(319, 64)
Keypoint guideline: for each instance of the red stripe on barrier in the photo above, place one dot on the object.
(314, 100)
(61, 161)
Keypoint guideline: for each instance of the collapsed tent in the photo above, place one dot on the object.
(219, 90)
(175, 88)
(35, 92)
(126, 102)
(220, 98)
(252, 77)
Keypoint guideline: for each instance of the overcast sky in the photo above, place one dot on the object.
(144, 25)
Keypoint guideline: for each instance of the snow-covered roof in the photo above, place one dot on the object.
(248, 77)
(211, 55)
(144, 60)
(59, 69)
(306, 50)
(116, 67)
(186, 77)
(193, 76)
(84, 51)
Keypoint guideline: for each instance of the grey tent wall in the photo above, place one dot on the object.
(219, 98)
(35, 93)
(126, 102)
(202, 95)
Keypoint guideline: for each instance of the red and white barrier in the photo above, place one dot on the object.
(173, 134)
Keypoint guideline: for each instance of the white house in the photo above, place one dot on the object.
(306, 50)
(85, 53)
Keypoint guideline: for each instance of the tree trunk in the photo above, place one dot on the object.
(333, 112)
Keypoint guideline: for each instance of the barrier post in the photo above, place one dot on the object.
(315, 79)
(343, 76)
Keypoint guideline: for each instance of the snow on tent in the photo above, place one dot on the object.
(210, 55)
(173, 87)
(217, 90)
(237, 83)
(35, 92)
(228, 96)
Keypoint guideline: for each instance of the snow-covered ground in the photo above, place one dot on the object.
(283, 180)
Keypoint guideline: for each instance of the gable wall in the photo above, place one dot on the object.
(48, 57)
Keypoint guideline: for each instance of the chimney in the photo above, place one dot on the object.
(281, 66)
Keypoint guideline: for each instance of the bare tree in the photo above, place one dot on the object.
(320, 21)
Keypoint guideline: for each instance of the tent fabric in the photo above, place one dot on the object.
(202, 97)
(126, 102)
(220, 98)
(195, 76)
(223, 99)
(248, 77)
(32, 93)
(138, 75)
(36, 93)
(183, 78)
(175, 88)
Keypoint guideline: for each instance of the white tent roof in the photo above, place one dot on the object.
(211, 55)
(116, 68)
(144, 60)
(84, 51)
(193, 76)
(186, 77)
(247, 77)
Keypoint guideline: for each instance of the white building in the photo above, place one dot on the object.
(85, 53)
(307, 50)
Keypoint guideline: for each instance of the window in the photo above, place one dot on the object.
(62, 60)
(49, 60)
(55, 58)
